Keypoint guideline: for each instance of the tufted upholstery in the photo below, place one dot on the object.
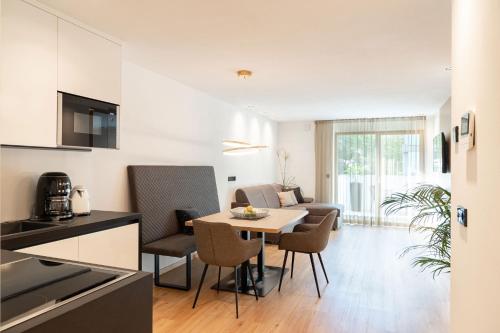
(157, 191)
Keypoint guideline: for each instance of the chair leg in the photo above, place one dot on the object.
(323, 266)
(201, 283)
(283, 269)
(293, 261)
(218, 281)
(236, 287)
(253, 281)
(314, 272)
(187, 286)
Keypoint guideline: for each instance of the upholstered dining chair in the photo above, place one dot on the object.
(307, 238)
(220, 245)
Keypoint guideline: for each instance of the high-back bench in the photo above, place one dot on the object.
(157, 191)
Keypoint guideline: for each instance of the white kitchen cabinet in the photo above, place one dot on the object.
(118, 247)
(88, 65)
(62, 249)
(28, 74)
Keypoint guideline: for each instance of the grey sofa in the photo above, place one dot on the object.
(266, 196)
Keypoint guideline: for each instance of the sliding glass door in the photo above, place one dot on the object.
(370, 166)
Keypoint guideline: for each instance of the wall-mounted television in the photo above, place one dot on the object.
(440, 154)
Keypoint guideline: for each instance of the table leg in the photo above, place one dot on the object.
(260, 257)
(243, 270)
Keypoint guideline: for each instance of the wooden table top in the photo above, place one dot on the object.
(277, 220)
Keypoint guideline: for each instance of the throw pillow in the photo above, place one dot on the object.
(287, 198)
(184, 215)
(298, 194)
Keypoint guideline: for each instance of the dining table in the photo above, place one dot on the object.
(266, 277)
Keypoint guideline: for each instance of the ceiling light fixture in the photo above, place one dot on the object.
(244, 73)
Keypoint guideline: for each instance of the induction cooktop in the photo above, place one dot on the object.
(32, 286)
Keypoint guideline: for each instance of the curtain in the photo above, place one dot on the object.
(324, 160)
(372, 159)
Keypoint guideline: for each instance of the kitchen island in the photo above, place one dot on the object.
(62, 296)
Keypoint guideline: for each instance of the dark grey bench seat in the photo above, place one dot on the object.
(178, 245)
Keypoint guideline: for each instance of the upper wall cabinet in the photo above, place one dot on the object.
(88, 65)
(28, 74)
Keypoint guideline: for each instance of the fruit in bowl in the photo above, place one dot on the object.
(249, 211)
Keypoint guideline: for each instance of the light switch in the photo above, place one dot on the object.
(462, 215)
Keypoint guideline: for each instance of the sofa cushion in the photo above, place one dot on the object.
(260, 196)
(298, 194)
(287, 199)
(252, 195)
(271, 196)
(277, 187)
(184, 215)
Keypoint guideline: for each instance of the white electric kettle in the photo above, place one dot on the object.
(80, 200)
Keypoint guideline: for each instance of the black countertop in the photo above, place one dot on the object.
(97, 221)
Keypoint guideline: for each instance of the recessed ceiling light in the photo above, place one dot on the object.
(244, 73)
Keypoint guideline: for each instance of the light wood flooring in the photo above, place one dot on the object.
(371, 290)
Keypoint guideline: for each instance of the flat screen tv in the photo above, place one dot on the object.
(440, 153)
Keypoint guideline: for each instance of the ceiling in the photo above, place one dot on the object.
(314, 59)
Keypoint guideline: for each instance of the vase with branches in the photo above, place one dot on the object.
(286, 181)
(432, 205)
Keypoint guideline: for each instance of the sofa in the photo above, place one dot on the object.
(266, 196)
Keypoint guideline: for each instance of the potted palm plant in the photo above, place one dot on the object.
(432, 205)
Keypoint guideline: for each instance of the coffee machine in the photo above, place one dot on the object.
(52, 197)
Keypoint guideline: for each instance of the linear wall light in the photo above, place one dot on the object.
(235, 147)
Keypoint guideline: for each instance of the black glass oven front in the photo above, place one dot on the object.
(86, 122)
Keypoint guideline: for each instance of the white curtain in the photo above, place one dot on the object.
(324, 160)
(372, 159)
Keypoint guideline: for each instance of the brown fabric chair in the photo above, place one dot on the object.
(220, 245)
(307, 238)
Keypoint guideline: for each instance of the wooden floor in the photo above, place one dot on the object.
(371, 290)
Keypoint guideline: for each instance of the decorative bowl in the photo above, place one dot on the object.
(258, 213)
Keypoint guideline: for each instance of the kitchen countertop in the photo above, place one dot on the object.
(80, 225)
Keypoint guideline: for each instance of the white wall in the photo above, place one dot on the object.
(436, 123)
(297, 138)
(162, 122)
(475, 273)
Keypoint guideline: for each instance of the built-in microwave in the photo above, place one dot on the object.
(86, 122)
